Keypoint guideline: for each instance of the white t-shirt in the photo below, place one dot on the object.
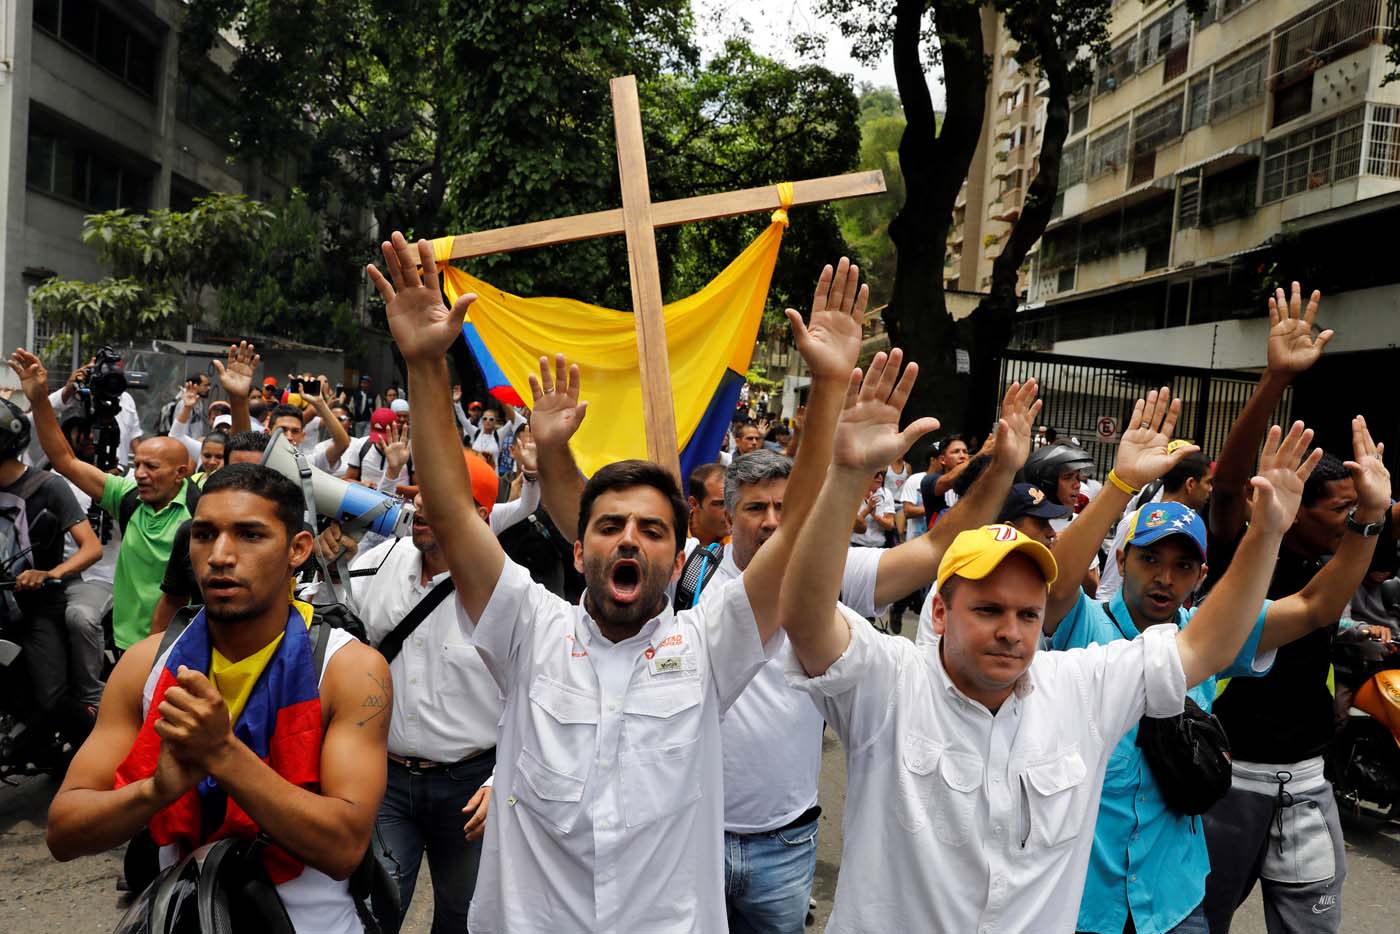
(371, 463)
(914, 526)
(874, 535)
(106, 566)
(764, 791)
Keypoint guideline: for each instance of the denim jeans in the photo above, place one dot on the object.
(1194, 923)
(768, 879)
(422, 810)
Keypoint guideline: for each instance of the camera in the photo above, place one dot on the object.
(100, 390)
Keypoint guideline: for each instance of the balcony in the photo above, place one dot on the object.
(1329, 32)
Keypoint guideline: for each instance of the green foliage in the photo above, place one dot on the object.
(746, 121)
(865, 223)
(161, 265)
(295, 283)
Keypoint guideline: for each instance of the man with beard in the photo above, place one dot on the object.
(963, 764)
(149, 507)
(231, 731)
(608, 813)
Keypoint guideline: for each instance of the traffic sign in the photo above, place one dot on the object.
(1107, 428)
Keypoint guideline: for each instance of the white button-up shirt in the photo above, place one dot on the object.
(608, 809)
(959, 820)
(446, 704)
(765, 789)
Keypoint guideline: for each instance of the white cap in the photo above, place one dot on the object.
(400, 406)
(223, 421)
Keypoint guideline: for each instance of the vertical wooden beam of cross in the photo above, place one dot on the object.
(638, 219)
(653, 363)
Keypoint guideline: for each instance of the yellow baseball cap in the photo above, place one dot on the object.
(977, 552)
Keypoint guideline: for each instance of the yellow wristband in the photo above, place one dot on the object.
(1117, 481)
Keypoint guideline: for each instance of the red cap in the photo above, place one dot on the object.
(379, 424)
(270, 381)
(485, 485)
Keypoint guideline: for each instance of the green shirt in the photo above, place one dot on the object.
(141, 561)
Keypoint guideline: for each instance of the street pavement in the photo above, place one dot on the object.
(41, 896)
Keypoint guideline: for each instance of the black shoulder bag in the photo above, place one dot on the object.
(1189, 754)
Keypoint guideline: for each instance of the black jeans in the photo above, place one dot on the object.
(42, 634)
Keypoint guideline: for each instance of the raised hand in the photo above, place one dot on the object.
(867, 435)
(557, 413)
(236, 375)
(526, 454)
(1368, 472)
(423, 327)
(189, 396)
(1292, 346)
(1011, 442)
(830, 339)
(1142, 454)
(397, 449)
(33, 375)
(1284, 466)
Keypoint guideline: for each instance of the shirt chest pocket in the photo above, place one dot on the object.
(939, 785)
(557, 749)
(1052, 793)
(461, 665)
(660, 757)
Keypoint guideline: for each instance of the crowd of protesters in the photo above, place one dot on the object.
(598, 703)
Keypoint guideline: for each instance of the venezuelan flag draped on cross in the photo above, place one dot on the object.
(709, 336)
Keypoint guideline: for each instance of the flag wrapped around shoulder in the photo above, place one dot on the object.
(280, 722)
(709, 337)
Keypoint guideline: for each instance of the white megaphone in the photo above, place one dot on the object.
(354, 506)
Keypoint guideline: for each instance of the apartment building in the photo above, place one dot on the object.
(97, 112)
(1211, 160)
(1002, 167)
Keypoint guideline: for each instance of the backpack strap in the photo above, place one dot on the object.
(696, 573)
(178, 624)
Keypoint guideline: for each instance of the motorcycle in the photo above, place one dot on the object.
(27, 745)
(1364, 760)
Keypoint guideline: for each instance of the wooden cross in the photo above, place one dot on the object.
(638, 219)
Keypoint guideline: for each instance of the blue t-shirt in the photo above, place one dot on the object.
(1141, 846)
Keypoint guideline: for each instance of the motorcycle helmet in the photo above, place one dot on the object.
(219, 889)
(14, 430)
(169, 905)
(1046, 465)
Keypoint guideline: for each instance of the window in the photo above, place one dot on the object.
(1170, 31)
(79, 170)
(1117, 67)
(1108, 152)
(1229, 194)
(203, 108)
(1157, 126)
(1230, 6)
(1313, 156)
(1238, 84)
(1207, 17)
(1383, 156)
(1329, 31)
(1059, 248)
(1188, 208)
(1072, 165)
(104, 37)
(1198, 102)
(1079, 118)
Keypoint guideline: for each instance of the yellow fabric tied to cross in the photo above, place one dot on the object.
(709, 337)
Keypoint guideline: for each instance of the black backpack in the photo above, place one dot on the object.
(696, 573)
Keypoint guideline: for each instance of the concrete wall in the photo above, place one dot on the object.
(1366, 319)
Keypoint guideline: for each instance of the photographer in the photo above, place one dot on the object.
(149, 507)
(90, 387)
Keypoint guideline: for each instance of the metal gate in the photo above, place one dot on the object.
(1090, 399)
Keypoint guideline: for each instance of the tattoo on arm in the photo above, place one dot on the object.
(377, 702)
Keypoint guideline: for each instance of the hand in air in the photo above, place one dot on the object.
(1284, 466)
(1368, 472)
(830, 339)
(423, 326)
(1292, 346)
(557, 413)
(1010, 444)
(1142, 453)
(236, 375)
(33, 375)
(867, 435)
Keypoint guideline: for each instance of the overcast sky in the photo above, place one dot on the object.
(772, 25)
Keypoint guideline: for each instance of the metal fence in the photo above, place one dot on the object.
(1091, 399)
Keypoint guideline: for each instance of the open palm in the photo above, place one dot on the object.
(1292, 346)
(867, 434)
(422, 325)
(557, 413)
(830, 339)
(1284, 466)
(1368, 469)
(33, 376)
(1142, 453)
(236, 375)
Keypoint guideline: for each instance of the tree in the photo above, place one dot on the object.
(162, 265)
(865, 222)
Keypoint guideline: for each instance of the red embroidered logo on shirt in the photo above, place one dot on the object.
(677, 639)
(650, 653)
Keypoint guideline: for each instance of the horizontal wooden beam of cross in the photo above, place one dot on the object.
(638, 219)
(665, 214)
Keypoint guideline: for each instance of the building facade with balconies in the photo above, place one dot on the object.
(1210, 161)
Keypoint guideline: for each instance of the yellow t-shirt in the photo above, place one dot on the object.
(235, 680)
